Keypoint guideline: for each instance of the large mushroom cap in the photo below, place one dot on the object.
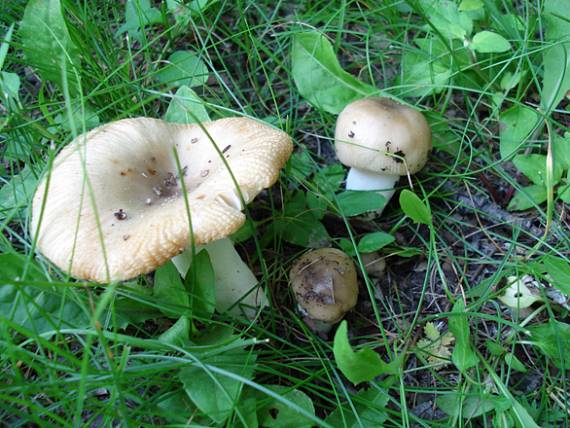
(115, 207)
(369, 131)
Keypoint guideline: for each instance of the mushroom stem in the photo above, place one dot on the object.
(359, 179)
(235, 282)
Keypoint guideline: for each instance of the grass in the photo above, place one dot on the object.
(73, 353)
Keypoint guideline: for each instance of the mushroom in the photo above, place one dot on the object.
(118, 201)
(325, 288)
(374, 264)
(381, 140)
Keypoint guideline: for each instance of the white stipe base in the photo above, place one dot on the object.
(359, 179)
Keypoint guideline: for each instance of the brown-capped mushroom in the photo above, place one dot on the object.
(325, 287)
(381, 140)
(113, 205)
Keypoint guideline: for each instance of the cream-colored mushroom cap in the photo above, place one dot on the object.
(113, 205)
(324, 284)
(369, 131)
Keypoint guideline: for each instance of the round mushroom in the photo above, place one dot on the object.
(324, 284)
(381, 140)
(115, 204)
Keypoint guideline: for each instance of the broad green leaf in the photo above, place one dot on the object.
(534, 167)
(18, 192)
(426, 70)
(464, 357)
(553, 339)
(489, 42)
(176, 407)
(466, 5)
(319, 77)
(202, 281)
(10, 85)
(317, 203)
(510, 80)
(564, 190)
(139, 14)
(448, 20)
(374, 241)
(354, 202)
(414, 207)
(178, 334)
(186, 107)
(39, 308)
(558, 271)
(515, 363)
(83, 117)
(275, 414)
(561, 151)
(471, 406)
(516, 125)
(169, 291)
(47, 44)
(303, 230)
(556, 61)
(369, 409)
(215, 394)
(527, 197)
(329, 178)
(360, 366)
(183, 68)
(183, 10)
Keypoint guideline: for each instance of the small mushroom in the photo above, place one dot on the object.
(381, 140)
(324, 284)
(128, 171)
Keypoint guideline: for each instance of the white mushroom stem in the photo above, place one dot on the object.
(359, 179)
(235, 282)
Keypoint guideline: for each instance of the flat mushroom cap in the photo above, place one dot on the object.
(370, 130)
(115, 206)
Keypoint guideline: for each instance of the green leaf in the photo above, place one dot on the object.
(564, 190)
(515, 363)
(360, 366)
(426, 70)
(139, 14)
(47, 44)
(553, 339)
(183, 68)
(303, 230)
(10, 85)
(329, 178)
(201, 279)
(471, 406)
(561, 151)
(489, 42)
(556, 61)
(354, 202)
(527, 197)
(464, 357)
(38, 308)
(169, 291)
(176, 407)
(186, 107)
(510, 80)
(215, 394)
(319, 77)
(534, 167)
(83, 116)
(369, 409)
(178, 334)
(17, 193)
(558, 271)
(414, 207)
(276, 414)
(448, 20)
(374, 241)
(466, 5)
(517, 123)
